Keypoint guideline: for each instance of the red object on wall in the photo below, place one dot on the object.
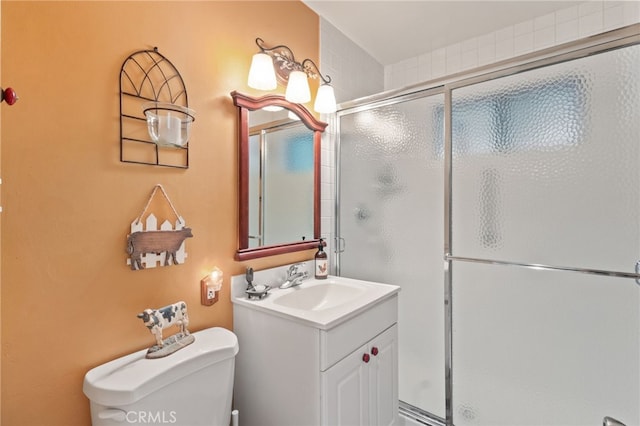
(374, 351)
(8, 95)
(365, 357)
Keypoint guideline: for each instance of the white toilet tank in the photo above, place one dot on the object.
(190, 387)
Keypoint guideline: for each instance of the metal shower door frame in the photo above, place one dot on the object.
(612, 40)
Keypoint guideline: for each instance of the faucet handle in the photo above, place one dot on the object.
(293, 269)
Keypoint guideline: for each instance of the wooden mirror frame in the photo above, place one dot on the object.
(246, 103)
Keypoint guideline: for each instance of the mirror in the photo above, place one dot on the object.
(279, 176)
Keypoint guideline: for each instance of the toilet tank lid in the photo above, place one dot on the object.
(130, 378)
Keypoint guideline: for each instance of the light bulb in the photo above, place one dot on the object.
(298, 88)
(262, 76)
(325, 100)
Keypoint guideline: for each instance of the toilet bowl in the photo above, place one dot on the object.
(192, 386)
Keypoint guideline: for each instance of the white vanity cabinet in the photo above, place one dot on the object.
(291, 372)
(362, 389)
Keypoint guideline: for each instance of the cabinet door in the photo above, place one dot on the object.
(383, 378)
(345, 391)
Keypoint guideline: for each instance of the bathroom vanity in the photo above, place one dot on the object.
(321, 353)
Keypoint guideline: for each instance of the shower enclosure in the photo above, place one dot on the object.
(506, 204)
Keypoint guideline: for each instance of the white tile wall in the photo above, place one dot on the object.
(572, 23)
(354, 74)
(327, 190)
(505, 43)
(424, 67)
(438, 62)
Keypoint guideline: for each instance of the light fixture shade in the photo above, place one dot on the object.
(298, 88)
(262, 76)
(325, 100)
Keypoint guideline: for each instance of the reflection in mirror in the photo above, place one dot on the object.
(279, 176)
(280, 181)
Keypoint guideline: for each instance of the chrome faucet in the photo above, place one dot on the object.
(294, 277)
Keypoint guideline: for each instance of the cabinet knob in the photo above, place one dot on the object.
(366, 357)
(374, 351)
(8, 95)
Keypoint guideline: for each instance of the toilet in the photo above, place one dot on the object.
(192, 386)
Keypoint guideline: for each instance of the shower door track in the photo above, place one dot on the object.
(418, 415)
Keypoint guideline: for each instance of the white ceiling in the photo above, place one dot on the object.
(391, 31)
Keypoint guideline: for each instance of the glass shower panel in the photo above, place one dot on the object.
(391, 200)
(540, 347)
(545, 171)
(545, 165)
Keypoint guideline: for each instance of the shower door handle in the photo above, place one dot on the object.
(610, 421)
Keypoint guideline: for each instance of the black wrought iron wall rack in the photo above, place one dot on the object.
(148, 76)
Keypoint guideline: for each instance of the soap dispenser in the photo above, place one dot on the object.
(322, 266)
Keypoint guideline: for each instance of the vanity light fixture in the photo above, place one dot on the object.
(210, 286)
(262, 76)
(282, 67)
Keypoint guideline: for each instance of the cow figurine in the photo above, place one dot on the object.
(158, 319)
(141, 242)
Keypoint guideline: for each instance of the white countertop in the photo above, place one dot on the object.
(359, 296)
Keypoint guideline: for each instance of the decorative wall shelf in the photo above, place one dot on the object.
(147, 76)
(148, 246)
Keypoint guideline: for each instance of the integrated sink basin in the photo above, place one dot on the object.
(321, 296)
(320, 303)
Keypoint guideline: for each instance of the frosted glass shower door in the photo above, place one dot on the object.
(391, 203)
(545, 190)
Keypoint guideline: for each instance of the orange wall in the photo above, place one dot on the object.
(69, 301)
(0, 220)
